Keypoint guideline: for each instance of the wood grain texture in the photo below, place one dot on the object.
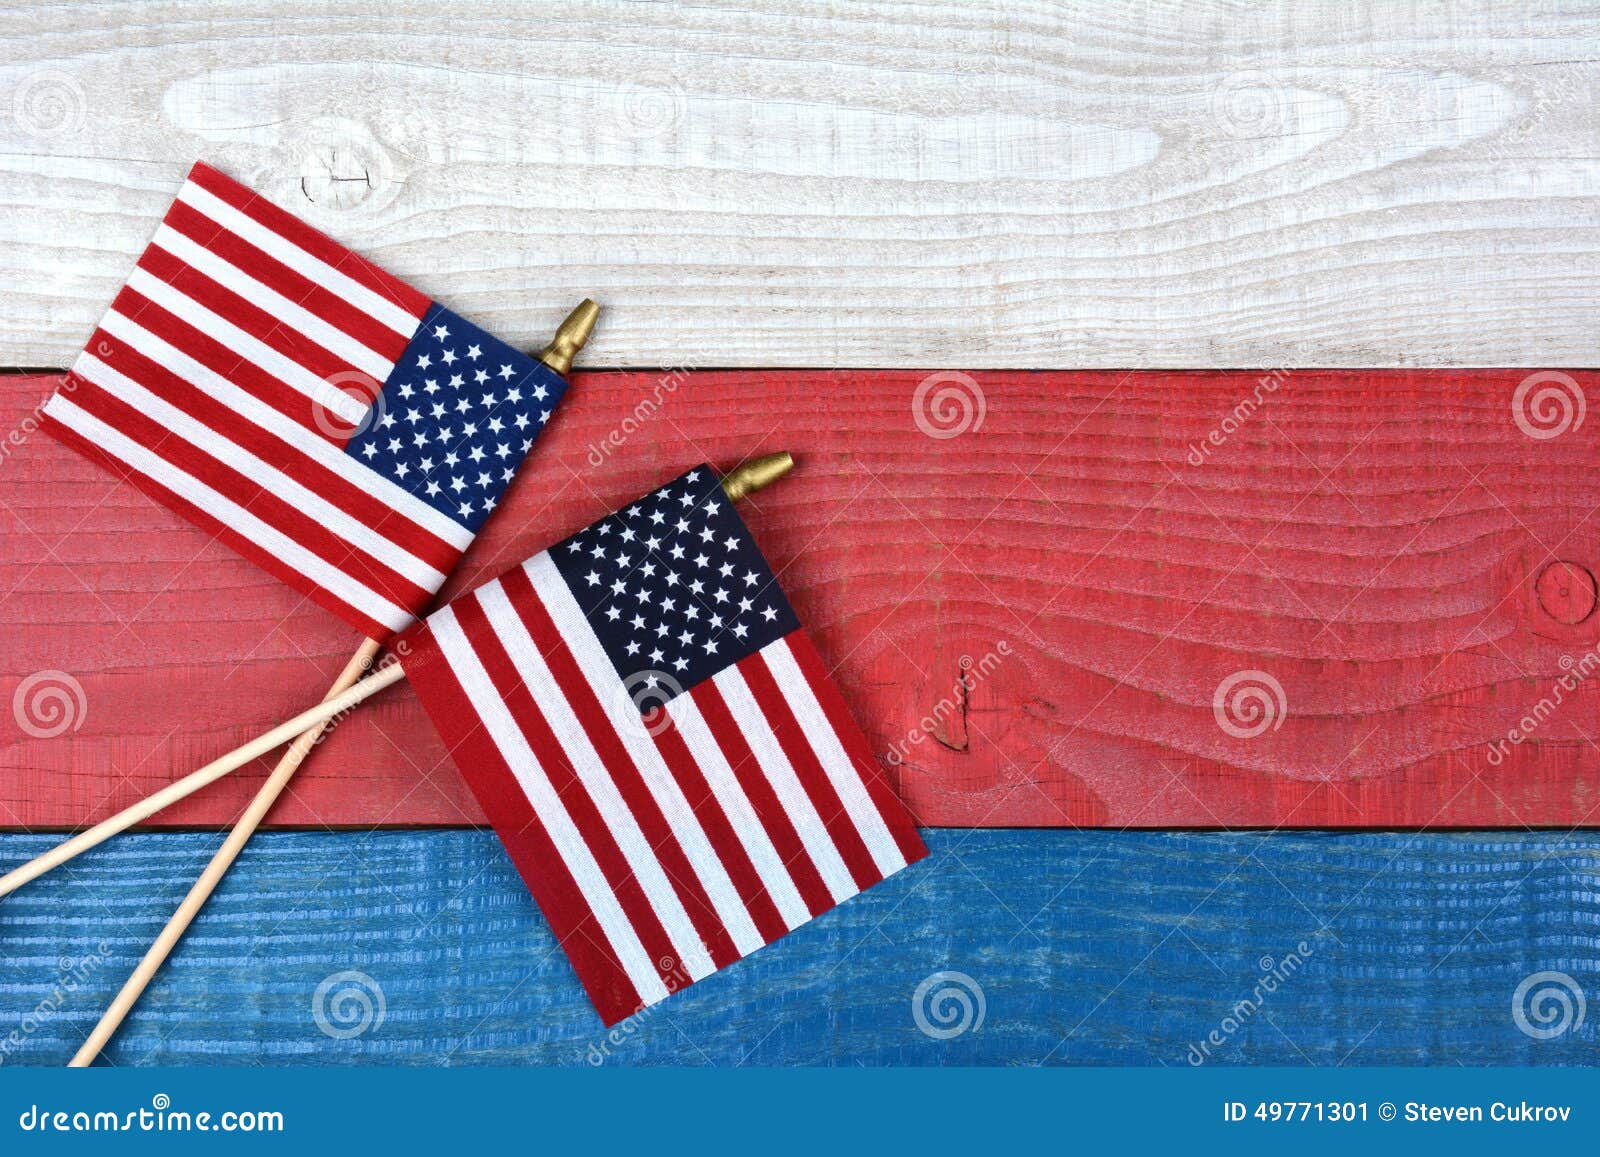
(1088, 948)
(1055, 617)
(769, 183)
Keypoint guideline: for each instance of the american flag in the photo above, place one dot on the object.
(658, 744)
(321, 417)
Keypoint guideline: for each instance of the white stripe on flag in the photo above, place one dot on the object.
(308, 265)
(781, 775)
(229, 513)
(619, 819)
(735, 804)
(279, 484)
(844, 776)
(617, 705)
(264, 297)
(291, 373)
(564, 834)
(274, 422)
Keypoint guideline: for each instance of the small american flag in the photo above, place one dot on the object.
(658, 745)
(321, 417)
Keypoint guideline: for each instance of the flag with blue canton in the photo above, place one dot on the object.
(659, 745)
(459, 411)
(674, 584)
(320, 416)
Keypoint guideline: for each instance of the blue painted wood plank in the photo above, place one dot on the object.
(1081, 948)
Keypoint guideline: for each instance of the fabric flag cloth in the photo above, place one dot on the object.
(321, 417)
(658, 744)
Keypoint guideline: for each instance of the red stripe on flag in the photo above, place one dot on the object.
(718, 828)
(259, 501)
(902, 825)
(568, 785)
(224, 362)
(780, 830)
(378, 516)
(525, 838)
(312, 240)
(619, 765)
(223, 533)
(809, 771)
(273, 274)
(258, 323)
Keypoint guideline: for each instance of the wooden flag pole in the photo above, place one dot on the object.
(746, 479)
(196, 780)
(570, 337)
(133, 988)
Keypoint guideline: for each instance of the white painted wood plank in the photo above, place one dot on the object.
(780, 183)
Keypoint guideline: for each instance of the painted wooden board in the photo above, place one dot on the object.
(1204, 183)
(1078, 947)
(1119, 599)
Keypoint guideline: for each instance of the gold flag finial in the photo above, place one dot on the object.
(570, 338)
(746, 478)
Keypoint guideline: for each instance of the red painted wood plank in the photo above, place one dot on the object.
(1377, 545)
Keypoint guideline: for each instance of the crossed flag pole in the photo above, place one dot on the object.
(304, 730)
(652, 734)
(570, 338)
